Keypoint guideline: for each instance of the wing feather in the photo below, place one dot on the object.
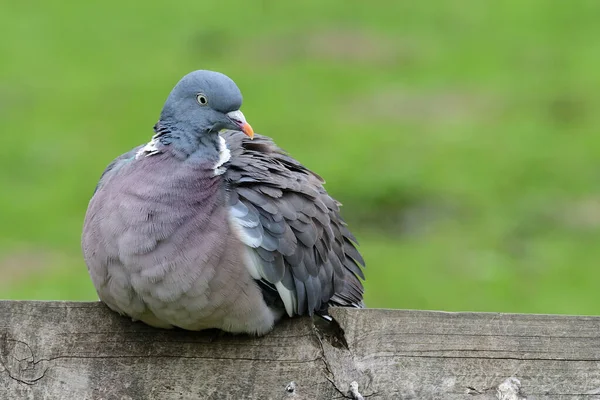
(302, 247)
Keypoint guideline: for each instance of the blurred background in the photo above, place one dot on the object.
(462, 138)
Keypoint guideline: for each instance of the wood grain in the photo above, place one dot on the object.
(63, 350)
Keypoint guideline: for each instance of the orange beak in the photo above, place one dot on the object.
(247, 129)
(238, 117)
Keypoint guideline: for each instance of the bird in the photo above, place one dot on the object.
(211, 226)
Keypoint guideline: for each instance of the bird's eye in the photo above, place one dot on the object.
(201, 99)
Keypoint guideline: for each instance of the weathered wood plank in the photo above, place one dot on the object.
(61, 350)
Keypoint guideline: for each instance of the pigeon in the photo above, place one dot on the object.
(212, 226)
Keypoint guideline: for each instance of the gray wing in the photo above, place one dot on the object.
(302, 248)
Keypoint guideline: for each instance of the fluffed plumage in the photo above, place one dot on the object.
(200, 229)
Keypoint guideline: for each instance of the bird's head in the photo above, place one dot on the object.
(206, 102)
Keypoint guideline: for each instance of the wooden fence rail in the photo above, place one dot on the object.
(66, 350)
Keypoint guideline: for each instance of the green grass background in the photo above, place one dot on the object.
(462, 137)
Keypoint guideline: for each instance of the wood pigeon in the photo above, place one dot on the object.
(212, 226)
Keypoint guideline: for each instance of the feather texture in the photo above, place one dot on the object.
(281, 211)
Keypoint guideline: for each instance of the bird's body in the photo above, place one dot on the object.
(202, 230)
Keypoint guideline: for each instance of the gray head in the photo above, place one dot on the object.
(205, 102)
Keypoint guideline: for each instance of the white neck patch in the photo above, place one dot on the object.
(149, 149)
(224, 156)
